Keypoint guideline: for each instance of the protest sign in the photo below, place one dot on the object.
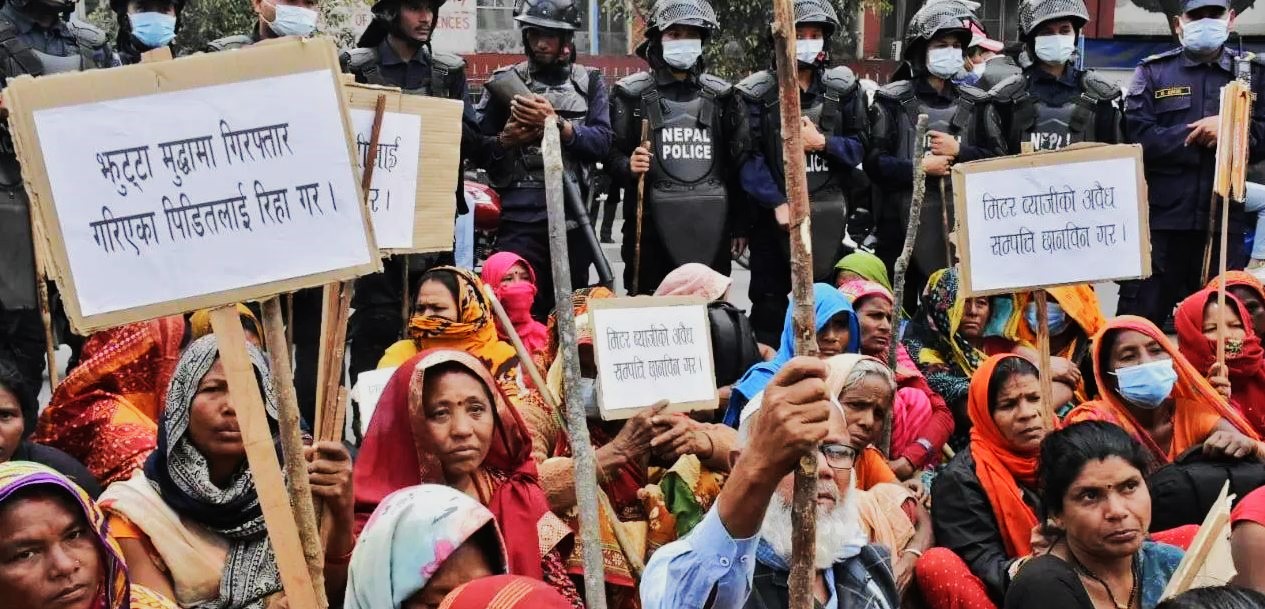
(649, 349)
(175, 185)
(369, 387)
(1208, 561)
(1076, 215)
(411, 201)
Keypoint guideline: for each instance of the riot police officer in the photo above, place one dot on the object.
(963, 126)
(1055, 103)
(145, 25)
(697, 131)
(834, 133)
(276, 18)
(1171, 109)
(34, 40)
(577, 96)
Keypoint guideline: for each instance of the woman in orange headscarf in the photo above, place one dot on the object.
(1147, 387)
(986, 499)
(105, 413)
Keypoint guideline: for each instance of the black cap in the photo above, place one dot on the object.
(1190, 5)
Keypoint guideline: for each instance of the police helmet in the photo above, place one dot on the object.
(820, 12)
(667, 13)
(385, 13)
(561, 15)
(938, 17)
(60, 6)
(389, 10)
(1035, 12)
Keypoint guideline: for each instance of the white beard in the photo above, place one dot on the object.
(839, 530)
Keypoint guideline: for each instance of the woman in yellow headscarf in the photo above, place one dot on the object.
(1074, 317)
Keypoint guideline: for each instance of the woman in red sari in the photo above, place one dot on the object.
(105, 413)
(1243, 379)
(443, 420)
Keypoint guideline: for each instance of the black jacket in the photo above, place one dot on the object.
(769, 591)
(964, 523)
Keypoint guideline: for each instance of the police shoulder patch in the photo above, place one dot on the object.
(717, 85)
(900, 90)
(756, 86)
(1165, 54)
(1172, 92)
(634, 85)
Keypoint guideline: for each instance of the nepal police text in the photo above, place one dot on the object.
(686, 143)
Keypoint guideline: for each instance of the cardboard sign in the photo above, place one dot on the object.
(1076, 215)
(369, 387)
(649, 349)
(412, 200)
(1208, 562)
(171, 186)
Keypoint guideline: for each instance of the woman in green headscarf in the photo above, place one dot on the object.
(861, 265)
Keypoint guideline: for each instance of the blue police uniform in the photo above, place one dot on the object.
(1169, 92)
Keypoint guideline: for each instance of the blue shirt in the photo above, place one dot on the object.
(707, 564)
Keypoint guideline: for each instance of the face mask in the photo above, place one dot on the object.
(944, 62)
(153, 29)
(1055, 317)
(1147, 385)
(293, 21)
(682, 54)
(1055, 48)
(1205, 35)
(807, 51)
(588, 397)
(517, 299)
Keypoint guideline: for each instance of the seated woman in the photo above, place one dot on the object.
(1147, 387)
(985, 501)
(16, 398)
(514, 282)
(921, 420)
(504, 592)
(1098, 509)
(443, 420)
(1248, 289)
(190, 524)
(1242, 381)
(861, 266)
(55, 551)
(695, 279)
(1247, 540)
(422, 543)
(105, 413)
(837, 332)
(1074, 317)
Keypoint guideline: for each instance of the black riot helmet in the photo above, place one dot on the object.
(559, 17)
(667, 13)
(819, 12)
(1033, 13)
(385, 15)
(48, 6)
(935, 18)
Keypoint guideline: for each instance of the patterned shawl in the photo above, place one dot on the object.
(474, 331)
(504, 592)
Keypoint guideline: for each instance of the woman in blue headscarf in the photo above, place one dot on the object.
(837, 332)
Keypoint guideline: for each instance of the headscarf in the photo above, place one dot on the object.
(180, 474)
(1199, 406)
(105, 413)
(394, 455)
(473, 332)
(200, 322)
(1000, 469)
(580, 307)
(116, 591)
(406, 541)
(866, 265)
(1246, 364)
(827, 303)
(1078, 301)
(1240, 278)
(516, 299)
(871, 466)
(857, 290)
(694, 279)
(504, 592)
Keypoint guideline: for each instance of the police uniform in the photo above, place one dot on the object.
(1170, 91)
(27, 48)
(1051, 112)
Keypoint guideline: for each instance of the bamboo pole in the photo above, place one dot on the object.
(581, 445)
(641, 198)
(42, 299)
(1043, 352)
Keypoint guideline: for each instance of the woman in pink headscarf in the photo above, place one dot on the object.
(514, 282)
(694, 279)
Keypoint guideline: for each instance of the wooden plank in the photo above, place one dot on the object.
(1215, 525)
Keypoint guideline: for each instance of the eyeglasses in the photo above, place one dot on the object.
(838, 456)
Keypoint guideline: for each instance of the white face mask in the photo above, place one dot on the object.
(807, 51)
(944, 62)
(682, 54)
(1055, 48)
(293, 21)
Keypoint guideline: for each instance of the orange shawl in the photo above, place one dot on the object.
(999, 468)
(1078, 301)
(474, 332)
(1198, 410)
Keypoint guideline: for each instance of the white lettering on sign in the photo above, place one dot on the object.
(685, 143)
(1049, 141)
(393, 194)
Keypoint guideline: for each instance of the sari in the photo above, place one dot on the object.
(1198, 406)
(827, 303)
(407, 539)
(211, 540)
(105, 413)
(1245, 360)
(394, 456)
(694, 279)
(504, 592)
(517, 299)
(116, 590)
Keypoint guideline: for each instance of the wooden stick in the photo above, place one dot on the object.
(581, 444)
(944, 220)
(641, 198)
(292, 446)
(1043, 351)
(243, 389)
(902, 261)
(1206, 269)
(42, 299)
(406, 305)
(290, 320)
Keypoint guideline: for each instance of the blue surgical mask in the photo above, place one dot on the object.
(682, 54)
(293, 21)
(945, 62)
(807, 51)
(1205, 35)
(1147, 385)
(588, 397)
(153, 29)
(1055, 48)
(1055, 317)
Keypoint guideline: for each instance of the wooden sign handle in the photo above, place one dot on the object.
(641, 197)
(1043, 350)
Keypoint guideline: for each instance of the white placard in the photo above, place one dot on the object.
(369, 387)
(393, 193)
(173, 195)
(1076, 216)
(651, 349)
